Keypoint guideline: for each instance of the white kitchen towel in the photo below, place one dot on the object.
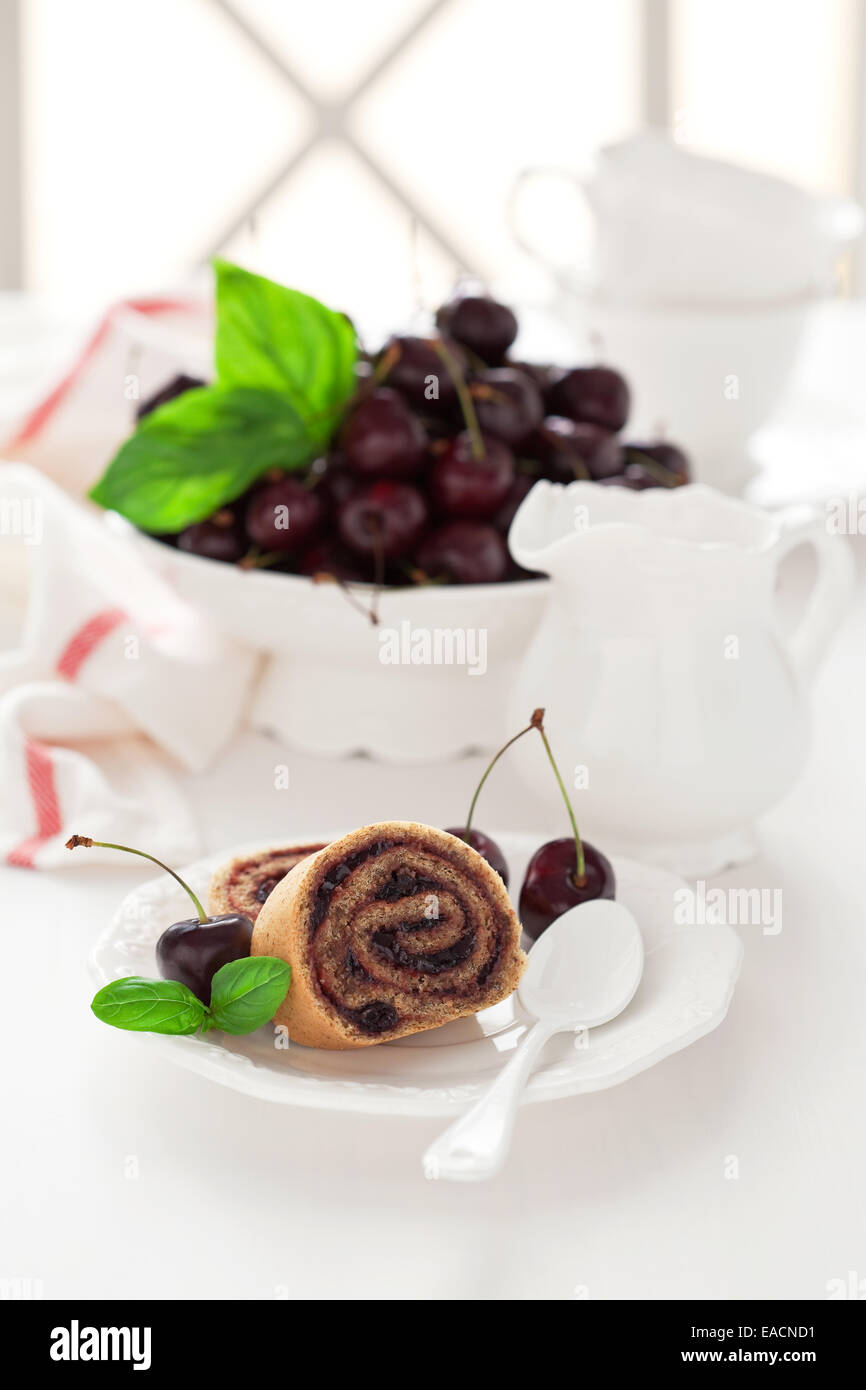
(106, 680)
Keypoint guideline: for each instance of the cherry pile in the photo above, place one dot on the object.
(442, 441)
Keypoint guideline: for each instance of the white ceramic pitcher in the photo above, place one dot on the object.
(677, 706)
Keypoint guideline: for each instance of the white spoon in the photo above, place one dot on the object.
(582, 972)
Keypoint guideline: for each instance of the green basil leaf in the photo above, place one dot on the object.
(278, 339)
(247, 993)
(198, 452)
(149, 1006)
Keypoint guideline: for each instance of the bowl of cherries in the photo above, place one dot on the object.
(347, 512)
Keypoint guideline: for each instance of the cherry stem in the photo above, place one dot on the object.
(580, 876)
(575, 462)
(487, 771)
(666, 476)
(375, 529)
(452, 367)
(325, 577)
(390, 357)
(84, 842)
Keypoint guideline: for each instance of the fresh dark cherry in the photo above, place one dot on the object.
(378, 1017)
(482, 325)
(508, 404)
(483, 845)
(178, 386)
(383, 439)
(635, 478)
(549, 888)
(522, 485)
(418, 371)
(598, 395)
(464, 486)
(542, 374)
(386, 519)
(335, 479)
(464, 552)
(569, 449)
(217, 539)
(284, 515)
(664, 455)
(330, 556)
(193, 951)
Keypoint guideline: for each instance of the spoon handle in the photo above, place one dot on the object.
(475, 1146)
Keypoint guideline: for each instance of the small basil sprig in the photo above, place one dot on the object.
(285, 373)
(244, 994)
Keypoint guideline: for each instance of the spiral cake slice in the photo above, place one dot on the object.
(392, 929)
(245, 882)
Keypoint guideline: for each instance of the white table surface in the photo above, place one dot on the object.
(621, 1194)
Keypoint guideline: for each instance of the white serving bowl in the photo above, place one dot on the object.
(329, 685)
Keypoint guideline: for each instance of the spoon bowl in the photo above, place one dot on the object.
(585, 968)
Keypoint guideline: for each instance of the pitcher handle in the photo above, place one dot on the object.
(512, 206)
(830, 591)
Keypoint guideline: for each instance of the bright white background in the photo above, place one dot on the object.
(147, 128)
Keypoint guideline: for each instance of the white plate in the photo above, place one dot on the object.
(685, 991)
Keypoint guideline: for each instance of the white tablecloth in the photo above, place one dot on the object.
(124, 1176)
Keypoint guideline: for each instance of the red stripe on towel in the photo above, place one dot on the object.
(38, 760)
(43, 792)
(38, 418)
(86, 639)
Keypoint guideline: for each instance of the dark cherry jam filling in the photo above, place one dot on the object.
(354, 966)
(377, 1017)
(429, 963)
(265, 889)
(405, 885)
(339, 873)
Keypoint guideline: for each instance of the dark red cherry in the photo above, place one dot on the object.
(216, 539)
(508, 404)
(664, 456)
(487, 848)
(331, 557)
(598, 395)
(464, 552)
(334, 479)
(523, 484)
(386, 519)
(419, 374)
(382, 439)
(549, 888)
(284, 515)
(542, 374)
(481, 324)
(178, 386)
(570, 449)
(634, 477)
(193, 951)
(464, 486)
